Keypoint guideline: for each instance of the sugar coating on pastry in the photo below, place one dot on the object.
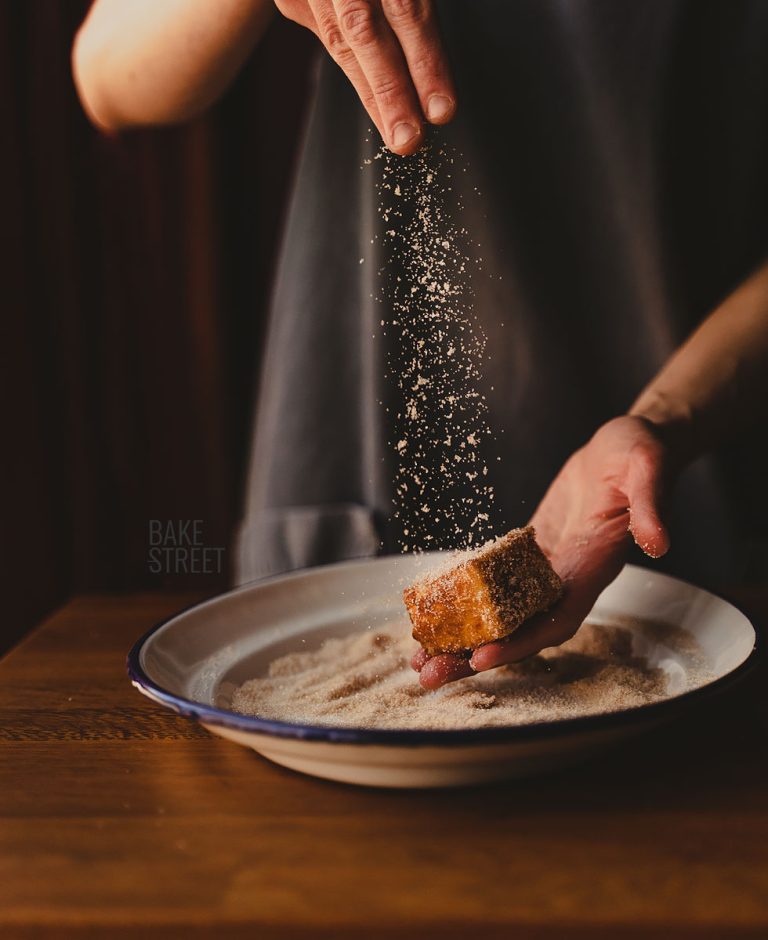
(485, 597)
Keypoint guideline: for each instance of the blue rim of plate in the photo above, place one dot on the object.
(333, 734)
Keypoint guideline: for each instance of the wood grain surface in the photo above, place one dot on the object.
(119, 819)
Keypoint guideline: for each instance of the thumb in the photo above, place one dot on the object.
(644, 492)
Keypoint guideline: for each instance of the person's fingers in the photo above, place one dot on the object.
(419, 658)
(525, 641)
(644, 488)
(325, 25)
(414, 25)
(447, 667)
(368, 34)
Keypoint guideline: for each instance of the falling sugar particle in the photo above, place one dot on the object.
(434, 361)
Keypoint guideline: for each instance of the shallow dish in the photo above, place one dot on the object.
(192, 663)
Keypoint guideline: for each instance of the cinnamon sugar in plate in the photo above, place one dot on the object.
(365, 681)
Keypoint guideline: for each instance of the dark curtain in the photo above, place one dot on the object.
(136, 272)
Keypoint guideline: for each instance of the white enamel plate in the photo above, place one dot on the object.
(193, 662)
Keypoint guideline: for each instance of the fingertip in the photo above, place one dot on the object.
(440, 109)
(650, 536)
(533, 636)
(493, 655)
(644, 490)
(655, 548)
(485, 657)
(406, 139)
(442, 669)
(419, 658)
(660, 545)
(429, 679)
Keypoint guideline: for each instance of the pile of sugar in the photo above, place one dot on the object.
(442, 492)
(365, 681)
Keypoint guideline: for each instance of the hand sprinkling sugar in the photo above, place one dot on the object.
(393, 57)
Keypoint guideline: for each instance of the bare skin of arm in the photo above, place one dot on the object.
(162, 61)
(614, 488)
(139, 62)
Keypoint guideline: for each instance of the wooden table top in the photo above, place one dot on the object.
(118, 818)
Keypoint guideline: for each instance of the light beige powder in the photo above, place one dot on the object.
(365, 681)
(436, 405)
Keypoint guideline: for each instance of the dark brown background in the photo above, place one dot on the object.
(135, 273)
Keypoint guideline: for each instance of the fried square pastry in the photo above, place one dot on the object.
(485, 597)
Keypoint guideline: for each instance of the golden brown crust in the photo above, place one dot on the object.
(485, 597)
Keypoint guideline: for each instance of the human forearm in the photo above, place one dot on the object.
(161, 61)
(716, 383)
